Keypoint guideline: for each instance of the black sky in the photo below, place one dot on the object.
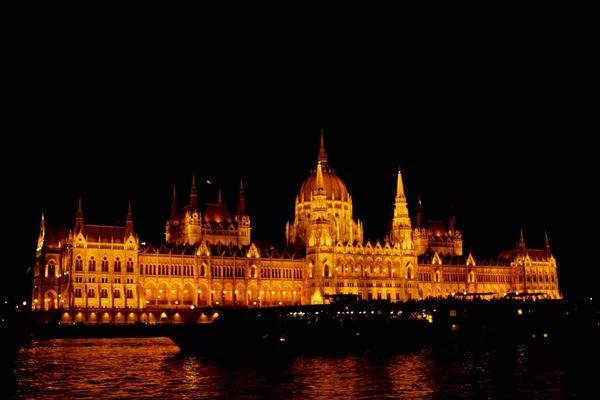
(503, 133)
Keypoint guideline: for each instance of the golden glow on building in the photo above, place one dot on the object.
(208, 259)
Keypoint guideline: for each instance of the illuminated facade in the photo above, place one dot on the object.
(208, 259)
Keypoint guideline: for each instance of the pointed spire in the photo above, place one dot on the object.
(79, 209)
(79, 218)
(42, 233)
(219, 199)
(401, 225)
(400, 188)
(129, 223)
(193, 195)
(547, 242)
(522, 244)
(522, 240)
(420, 213)
(452, 217)
(241, 201)
(320, 184)
(174, 206)
(322, 153)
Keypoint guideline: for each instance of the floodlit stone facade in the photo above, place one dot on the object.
(208, 259)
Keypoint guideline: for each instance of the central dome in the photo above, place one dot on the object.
(334, 187)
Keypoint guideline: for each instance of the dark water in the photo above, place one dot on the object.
(153, 368)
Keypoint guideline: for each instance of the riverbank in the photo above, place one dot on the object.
(443, 322)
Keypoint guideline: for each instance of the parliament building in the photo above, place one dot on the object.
(105, 274)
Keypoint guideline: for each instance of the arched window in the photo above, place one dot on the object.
(51, 269)
(117, 266)
(326, 271)
(104, 264)
(92, 264)
(130, 265)
(78, 264)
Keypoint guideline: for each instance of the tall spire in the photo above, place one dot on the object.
(193, 195)
(522, 238)
(219, 199)
(420, 214)
(547, 242)
(320, 184)
(322, 153)
(241, 201)
(400, 188)
(174, 206)
(42, 234)
(522, 246)
(401, 226)
(452, 218)
(79, 218)
(129, 223)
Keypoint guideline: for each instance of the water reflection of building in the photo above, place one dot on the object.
(208, 258)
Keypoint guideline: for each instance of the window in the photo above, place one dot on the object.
(117, 266)
(92, 265)
(91, 293)
(129, 294)
(78, 292)
(104, 264)
(104, 293)
(78, 264)
(117, 294)
(130, 265)
(51, 269)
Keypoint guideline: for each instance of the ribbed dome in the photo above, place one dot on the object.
(334, 187)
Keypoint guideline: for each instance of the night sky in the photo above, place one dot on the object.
(505, 140)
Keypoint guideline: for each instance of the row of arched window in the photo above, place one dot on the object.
(104, 265)
(91, 293)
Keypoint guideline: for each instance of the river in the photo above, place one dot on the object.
(154, 368)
